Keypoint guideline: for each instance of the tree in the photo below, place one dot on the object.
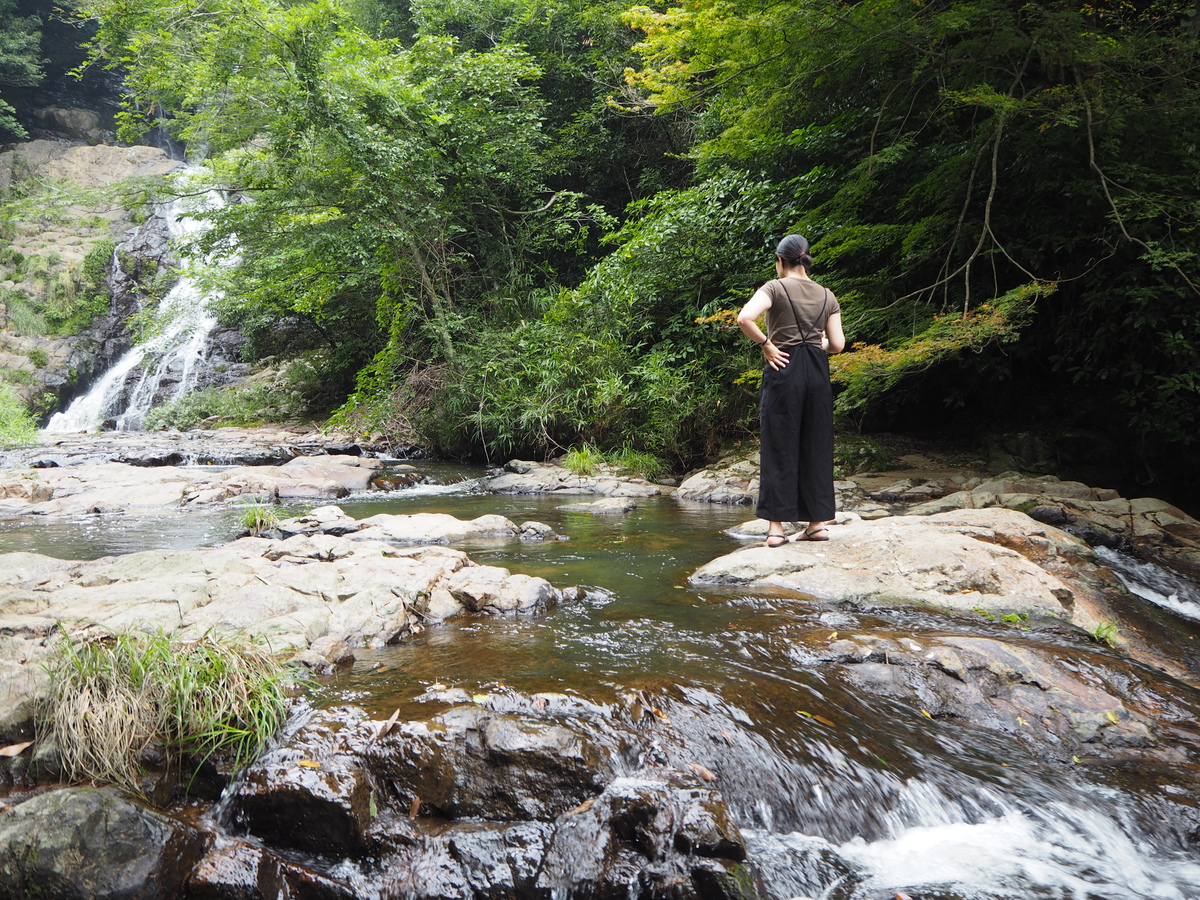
(20, 60)
(396, 190)
(1028, 166)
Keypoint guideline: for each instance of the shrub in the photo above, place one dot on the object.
(95, 263)
(17, 427)
(855, 453)
(583, 460)
(22, 316)
(114, 698)
(629, 461)
(243, 404)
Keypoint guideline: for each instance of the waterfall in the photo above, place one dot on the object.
(171, 361)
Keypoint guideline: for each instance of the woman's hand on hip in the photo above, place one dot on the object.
(775, 358)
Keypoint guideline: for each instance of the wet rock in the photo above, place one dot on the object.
(521, 477)
(499, 860)
(797, 865)
(91, 844)
(471, 762)
(684, 832)
(507, 796)
(607, 506)
(239, 870)
(1038, 694)
(393, 478)
(312, 794)
(537, 531)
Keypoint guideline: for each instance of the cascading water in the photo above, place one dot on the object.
(1154, 583)
(171, 362)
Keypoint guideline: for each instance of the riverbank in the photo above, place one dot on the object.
(685, 740)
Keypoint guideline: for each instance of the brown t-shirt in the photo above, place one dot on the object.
(812, 305)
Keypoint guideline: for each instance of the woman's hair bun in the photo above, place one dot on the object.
(793, 250)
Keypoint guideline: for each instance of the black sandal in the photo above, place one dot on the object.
(807, 535)
(783, 540)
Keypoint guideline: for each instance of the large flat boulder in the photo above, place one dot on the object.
(959, 563)
(311, 596)
(524, 477)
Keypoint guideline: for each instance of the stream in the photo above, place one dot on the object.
(840, 793)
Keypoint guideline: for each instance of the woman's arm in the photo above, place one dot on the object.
(755, 307)
(834, 340)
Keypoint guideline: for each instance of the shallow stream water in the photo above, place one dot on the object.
(840, 794)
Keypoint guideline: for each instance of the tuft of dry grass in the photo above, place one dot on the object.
(118, 696)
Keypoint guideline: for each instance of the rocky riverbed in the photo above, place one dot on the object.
(968, 602)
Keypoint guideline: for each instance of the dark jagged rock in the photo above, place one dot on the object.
(93, 844)
(310, 795)
(474, 763)
(238, 870)
(510, 797)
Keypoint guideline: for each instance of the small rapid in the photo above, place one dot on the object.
(1153, 582)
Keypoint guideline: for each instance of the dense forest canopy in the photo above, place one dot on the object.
(516, 225)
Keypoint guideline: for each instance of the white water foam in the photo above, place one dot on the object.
(1156, 584)
(1055, 850)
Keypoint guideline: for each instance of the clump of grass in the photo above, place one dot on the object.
(115, 697)
(1108, 631)
(17, 428)
(637, 462)
(583, 460)
(259, 517)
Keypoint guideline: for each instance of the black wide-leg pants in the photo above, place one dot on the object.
(796, 426)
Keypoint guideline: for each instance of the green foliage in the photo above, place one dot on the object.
(1003, 197)
(915, 138)
(114, 697)
(629, 461)
(583, 460)
(38, 357)
(1108, 631)
(20, 60)
(622, 359)
(17, 376)
(22, 317)
(259, 517)
(872, 371)
(856, 453)
(96, 262)
(247, 404)
(17, 428)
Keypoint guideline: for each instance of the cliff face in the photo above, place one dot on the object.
(63, 305)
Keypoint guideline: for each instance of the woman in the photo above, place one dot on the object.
(796, 412)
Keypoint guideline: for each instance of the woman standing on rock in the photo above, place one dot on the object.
(804, 321)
